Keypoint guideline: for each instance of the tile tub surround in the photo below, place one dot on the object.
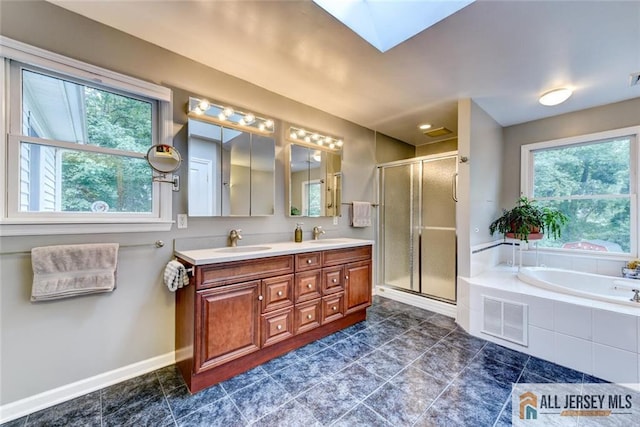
(592, 336)
(403, 366)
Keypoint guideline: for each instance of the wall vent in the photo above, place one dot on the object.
(505, 319)
(635, 79)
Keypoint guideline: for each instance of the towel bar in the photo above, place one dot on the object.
(158, 244)
(375, 205)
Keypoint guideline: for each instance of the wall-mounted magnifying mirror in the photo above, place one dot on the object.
(315, 176)
(164, 159)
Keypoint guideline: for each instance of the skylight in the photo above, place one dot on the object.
(387, 23)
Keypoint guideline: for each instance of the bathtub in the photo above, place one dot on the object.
(594, 286)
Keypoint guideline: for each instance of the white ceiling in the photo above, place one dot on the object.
(502, 54)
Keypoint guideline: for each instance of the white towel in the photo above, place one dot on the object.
(361, 214)
(175, 275)
(69, 270)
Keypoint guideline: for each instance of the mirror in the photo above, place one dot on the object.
(231, 171)
(315, 181)
(163, 158)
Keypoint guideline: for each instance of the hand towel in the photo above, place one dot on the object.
(175, 275)
(361, 214)
(69, 270)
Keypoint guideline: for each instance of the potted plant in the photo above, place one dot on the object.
(528, 221)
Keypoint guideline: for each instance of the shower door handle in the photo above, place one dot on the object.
(454, 187)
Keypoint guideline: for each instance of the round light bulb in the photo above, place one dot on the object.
(242, 122)
(221, 116)
(555, 96)
(307, 139)
(301, 132)
(249, 118)
(316, 137)
(197, 110)
(228, 111)
(204, 105)
(327, 140)
(339, 143)
(268, 123)
(261, 126)
(293, 135)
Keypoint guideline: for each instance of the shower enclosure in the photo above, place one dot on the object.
(418, 226)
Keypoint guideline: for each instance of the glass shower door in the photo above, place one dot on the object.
(438, 229)
(399, 185)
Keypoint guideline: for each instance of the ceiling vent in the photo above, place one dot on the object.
(433, 133)
(635, 79)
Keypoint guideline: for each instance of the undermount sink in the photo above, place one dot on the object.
(233, 249)
(328, 241)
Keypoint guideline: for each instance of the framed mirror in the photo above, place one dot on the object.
(231, 171)
(164, 158)
(315, 181)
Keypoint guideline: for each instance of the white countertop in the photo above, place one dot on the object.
(239, 253)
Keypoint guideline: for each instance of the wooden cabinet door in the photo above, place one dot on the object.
(357, 286)
(227, 324)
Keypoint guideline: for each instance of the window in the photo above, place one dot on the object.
(312, 198)
(77, 140)
(593, 180)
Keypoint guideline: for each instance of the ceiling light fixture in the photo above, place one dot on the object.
(424, 126)
(555, 96)
(316, 138)
(219, 113)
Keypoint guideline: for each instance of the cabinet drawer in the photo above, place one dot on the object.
(307, 316)
(277, 292)
(308, 261)
(332, 308)
(343, 256)
(241, 271)
(332, 280)
(308, 285)
(277, 326)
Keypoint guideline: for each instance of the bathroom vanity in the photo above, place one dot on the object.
(246, 305)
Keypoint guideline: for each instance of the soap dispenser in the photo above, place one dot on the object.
(298, 232)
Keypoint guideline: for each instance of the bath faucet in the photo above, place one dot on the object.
(636, 296)
(317, 231)
(234, 236)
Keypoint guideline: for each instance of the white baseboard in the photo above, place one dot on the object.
(418, 301)
(28, 405)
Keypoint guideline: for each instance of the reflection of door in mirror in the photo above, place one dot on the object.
(236, 172)
(205, 140)
(263, 180)
(299, 173)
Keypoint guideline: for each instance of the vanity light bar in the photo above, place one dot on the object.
(221, 113)
(313, 137)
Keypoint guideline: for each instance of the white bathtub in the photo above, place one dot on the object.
(594, 286)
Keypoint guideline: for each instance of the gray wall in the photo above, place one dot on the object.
(480, 140)
(437, 147)
(47, 345)
(612, 116)
(389, 149)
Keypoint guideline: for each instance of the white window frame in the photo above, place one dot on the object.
(16, 223)
(527, 169)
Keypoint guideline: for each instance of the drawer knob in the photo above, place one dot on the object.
(346, 277)
(279, 327)
(309, 316)
(279, 293)
(309, 285)
(334, 308)
(260, 298)
(334, 280)
(308, 261)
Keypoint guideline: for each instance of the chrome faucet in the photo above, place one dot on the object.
(234, 236)
(636, 296)
(317, 231)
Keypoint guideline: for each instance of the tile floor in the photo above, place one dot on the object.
(403, 366)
